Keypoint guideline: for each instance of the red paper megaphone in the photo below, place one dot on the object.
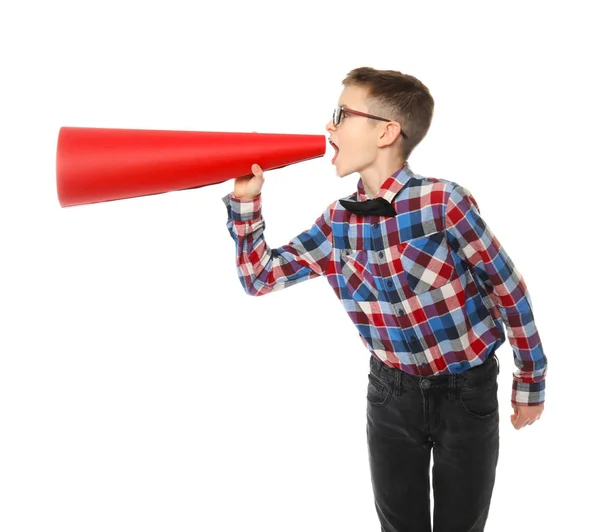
(102, 164)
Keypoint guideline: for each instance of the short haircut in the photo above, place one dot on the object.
(397, 96)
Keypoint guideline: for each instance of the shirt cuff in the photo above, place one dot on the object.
(528, 393)
(243, 210)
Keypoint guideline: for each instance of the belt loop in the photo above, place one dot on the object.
(399, 382)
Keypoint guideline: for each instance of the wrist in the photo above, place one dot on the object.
(244, 198)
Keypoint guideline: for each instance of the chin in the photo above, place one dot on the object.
(343, 172)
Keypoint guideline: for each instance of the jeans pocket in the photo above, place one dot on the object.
(427, 262)
(379, 392)
(359, 280)
(480, 400)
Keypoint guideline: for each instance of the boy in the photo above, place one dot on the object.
(429, 288)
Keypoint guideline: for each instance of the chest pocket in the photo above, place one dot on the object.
(360, 282)
(427, 262)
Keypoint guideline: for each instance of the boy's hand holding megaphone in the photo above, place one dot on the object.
(248, 187)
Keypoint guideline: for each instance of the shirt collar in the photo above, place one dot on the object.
(390, 187)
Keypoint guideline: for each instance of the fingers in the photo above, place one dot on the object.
(526, 415)
(257, 170)
(520, 422)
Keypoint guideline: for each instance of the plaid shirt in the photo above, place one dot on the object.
(428, 290)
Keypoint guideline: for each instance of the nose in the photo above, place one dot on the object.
(329, 126)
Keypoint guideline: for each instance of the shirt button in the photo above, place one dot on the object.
(381, 254)
(376, 225)
(389, 283)
(399, 312)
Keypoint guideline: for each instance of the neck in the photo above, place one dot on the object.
(374, 176)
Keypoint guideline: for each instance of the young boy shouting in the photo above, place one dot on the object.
(429, 288)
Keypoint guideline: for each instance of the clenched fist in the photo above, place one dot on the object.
(249, 187)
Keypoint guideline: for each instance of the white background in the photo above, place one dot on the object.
(142, 389)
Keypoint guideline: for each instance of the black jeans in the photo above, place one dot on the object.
(456, 416)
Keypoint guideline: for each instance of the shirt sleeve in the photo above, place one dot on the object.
(472, 239)
(261, 269)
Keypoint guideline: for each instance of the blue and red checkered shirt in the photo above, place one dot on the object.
(429, 289)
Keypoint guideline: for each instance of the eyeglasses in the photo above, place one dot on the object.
(339, 111)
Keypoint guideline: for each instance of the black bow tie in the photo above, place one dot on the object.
(379, 206)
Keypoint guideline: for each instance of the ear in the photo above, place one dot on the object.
(389, 134)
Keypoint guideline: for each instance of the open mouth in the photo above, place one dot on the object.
(337, 151)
